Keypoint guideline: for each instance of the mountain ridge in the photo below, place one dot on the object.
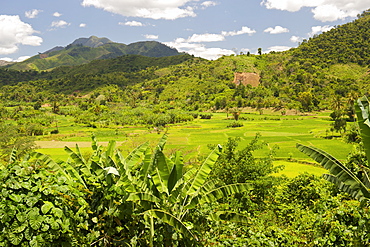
(85, 50)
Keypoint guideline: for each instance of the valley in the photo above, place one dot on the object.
(107, 144)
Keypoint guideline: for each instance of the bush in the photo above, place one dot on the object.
(205, 115)
(235, 124)
(35, 208)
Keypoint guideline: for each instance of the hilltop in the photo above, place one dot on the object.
(85, 50)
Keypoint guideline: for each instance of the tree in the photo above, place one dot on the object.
(357, 185)
(306, 100)
(260, 51)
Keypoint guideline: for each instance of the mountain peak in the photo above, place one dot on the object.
(92, 41)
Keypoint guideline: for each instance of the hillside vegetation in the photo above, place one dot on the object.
(85, 50)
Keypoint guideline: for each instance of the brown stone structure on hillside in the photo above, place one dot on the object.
(252, 79)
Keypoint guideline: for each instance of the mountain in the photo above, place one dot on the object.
(92, 42)
(85, 50)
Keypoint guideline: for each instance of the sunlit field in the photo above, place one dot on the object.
(281, 133)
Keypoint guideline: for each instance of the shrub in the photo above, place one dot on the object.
(34, 207)
(235, 124)
(206, 115)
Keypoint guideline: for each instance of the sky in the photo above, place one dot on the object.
(204, 28)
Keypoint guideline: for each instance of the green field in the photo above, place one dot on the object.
(193, 137)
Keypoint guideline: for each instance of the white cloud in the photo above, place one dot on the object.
(278, 48)
(244, 30)
(207, 37)
(199, 50)
(276, 30)
(154, 9)
(32, 13)
(60, 23)
(212, 37)
(82, 25)
(131, 23)
(151, 36)
(329, 13)
(319, 29)
(209, 4)
(14, 32)
(323, 10)
(57, 14)
(296, 39)
(192, 44)
(20, 59)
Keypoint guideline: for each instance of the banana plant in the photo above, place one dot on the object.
(157, 186)
(356, 185)
(172, 191)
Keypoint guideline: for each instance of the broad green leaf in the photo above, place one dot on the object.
(15, 197)
(46, 207)
(21, 216)
(142, 196)
(15, 238)
(46, 160)
(162, 173)
(224, 191)
(218, 193)
(362, 112)
(110, 148)
(147, 165)
(125, 183)
(176, 171)
(204, 170)
(162, 142)
(35, 243)
(134, 157)
(95, 166)
(74, 174)
(172, 221)
(45, 227)
(336, 168)
(57, 212)
(36, 221)
(76, 156)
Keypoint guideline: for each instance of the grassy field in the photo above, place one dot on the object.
(193, 137)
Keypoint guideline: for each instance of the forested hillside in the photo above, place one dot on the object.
(305, 78)
(85, 50)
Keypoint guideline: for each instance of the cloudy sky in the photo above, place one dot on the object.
(205, 28)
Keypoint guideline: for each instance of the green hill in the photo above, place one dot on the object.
(306, 78)
(85, 50)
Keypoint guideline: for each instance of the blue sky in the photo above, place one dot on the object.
(205, 28)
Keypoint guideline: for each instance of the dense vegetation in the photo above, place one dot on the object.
(85, 50)
(150, 197)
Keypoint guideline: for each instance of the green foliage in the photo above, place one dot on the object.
(235, 124)
(35, 206)
(344, 44)
(356, 184)
(12, 138)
